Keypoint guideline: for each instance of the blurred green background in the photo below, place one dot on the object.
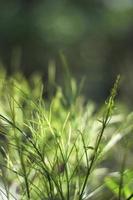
(96, 37)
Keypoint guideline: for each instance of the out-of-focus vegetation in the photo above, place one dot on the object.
(62, 149)
(96, 37)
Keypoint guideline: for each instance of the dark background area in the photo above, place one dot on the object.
(95, 36)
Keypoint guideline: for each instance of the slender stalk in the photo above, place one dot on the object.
(122, 176)
(105, 121)
(25, 175)
(92, 162)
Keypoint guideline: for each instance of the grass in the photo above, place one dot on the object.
(62, 149)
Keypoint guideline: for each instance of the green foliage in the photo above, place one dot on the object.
(113, 182)
(57, 152)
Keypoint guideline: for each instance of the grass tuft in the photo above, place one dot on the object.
(51, 151)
